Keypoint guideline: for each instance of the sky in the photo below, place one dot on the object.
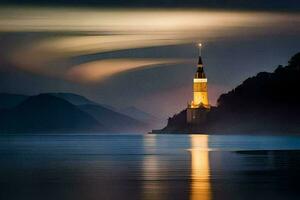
(131, 55)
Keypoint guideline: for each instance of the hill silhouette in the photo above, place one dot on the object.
(114, 120)
(267, 102)
(105, 114)
(63, 112)
(46, 113)
(139, 115)
(73, 98)
(8, 100)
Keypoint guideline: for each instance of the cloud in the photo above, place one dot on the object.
(65, 33)
(96, 71)
(146, 21)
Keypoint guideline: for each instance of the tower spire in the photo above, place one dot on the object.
(199, 47)
(200, 64)
(197, 109)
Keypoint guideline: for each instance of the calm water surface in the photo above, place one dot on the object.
(145, 167)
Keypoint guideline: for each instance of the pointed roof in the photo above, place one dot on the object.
(200, 61)
(200, 71)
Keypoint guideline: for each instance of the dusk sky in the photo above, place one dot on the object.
(134, 53)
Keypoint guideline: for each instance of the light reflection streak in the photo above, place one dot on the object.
(152, 186)
(200, 169)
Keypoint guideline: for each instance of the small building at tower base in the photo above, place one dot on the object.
(196, 116)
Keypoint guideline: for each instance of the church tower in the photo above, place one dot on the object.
(200, 86)
(200, 101)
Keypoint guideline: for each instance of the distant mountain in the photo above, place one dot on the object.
(109, 107)
(106, 114)
(46, 113)
(8, 100)
(114, 120)
(65, 112)
(79, 100)
(267, 102)
(73, 98)
(138, 114)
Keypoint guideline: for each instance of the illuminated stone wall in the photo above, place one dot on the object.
(200, 92)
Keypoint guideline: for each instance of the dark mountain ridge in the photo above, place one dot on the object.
(46, 113)
(62, 112)
(138, 114)
(73, 98)
(8, 100)
(115, 121)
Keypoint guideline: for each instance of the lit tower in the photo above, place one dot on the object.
(200, 98)
(200, 85)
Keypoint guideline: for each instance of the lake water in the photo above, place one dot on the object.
(145, 167)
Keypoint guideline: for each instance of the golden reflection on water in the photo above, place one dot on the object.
(154, 170)
(152, 187)
(200, 169)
